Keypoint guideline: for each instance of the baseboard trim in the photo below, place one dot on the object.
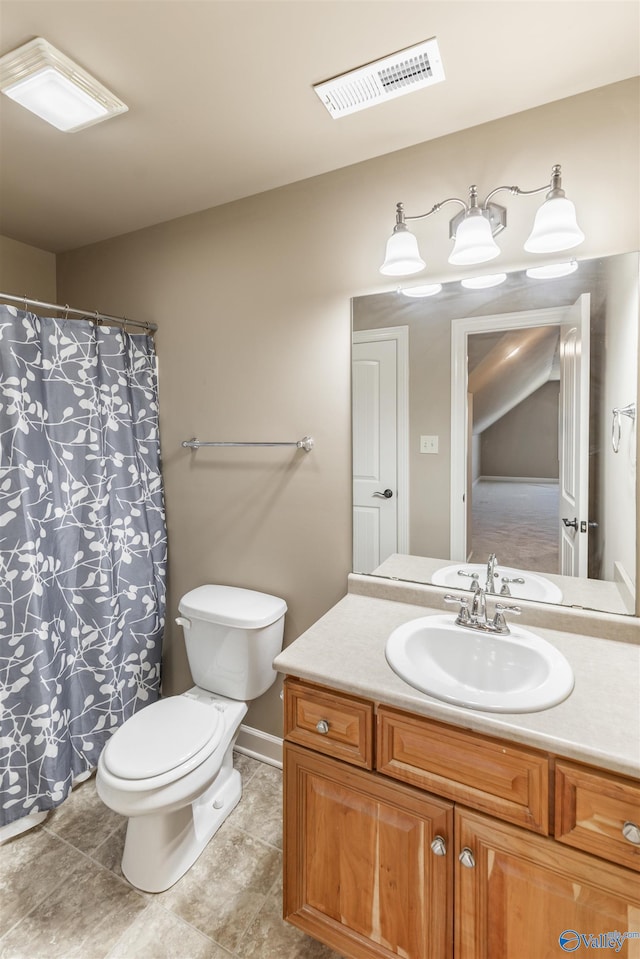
(542, 480)
(263, 746)
(18, 826)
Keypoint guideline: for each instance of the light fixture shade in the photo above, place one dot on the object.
(402, 256)
(49, 84)
(474, 241)
(552, 271)
(429, 289)
(555, 227)
(483, 282)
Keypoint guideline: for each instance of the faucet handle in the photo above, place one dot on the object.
(501, 608)
(499, 622)
(463, 603)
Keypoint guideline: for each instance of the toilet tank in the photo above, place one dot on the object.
(232, 636)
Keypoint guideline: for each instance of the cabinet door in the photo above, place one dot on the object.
(359, 871)
(519, 893)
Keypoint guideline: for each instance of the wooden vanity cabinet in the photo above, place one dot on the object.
(359, 873)
(430, 855)
(523, 892)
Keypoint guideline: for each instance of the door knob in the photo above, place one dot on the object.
(571, 522)
(387, 493)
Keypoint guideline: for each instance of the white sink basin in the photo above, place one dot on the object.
(535, 586)
(518, 672)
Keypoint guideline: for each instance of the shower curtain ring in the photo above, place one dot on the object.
(66, 311)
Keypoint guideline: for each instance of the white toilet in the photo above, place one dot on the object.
(169, 768)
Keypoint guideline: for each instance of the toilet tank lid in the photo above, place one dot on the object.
(232, 606)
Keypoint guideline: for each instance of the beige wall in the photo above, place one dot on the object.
(524, 442)
(27, 271)
(253, 304)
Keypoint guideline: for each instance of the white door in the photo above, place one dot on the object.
(574, 439)
(375, 451)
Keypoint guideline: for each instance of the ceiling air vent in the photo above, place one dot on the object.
(410, 69)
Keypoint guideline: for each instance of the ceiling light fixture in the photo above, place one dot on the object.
(49, 84)
(473, 229)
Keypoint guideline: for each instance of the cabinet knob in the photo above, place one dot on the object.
(466, 858)
(439, 846)
(322, 726)
(631, 832)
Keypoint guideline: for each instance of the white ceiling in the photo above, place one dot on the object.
(221, 104)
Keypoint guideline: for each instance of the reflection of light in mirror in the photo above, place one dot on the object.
(483, 282)
(429, 289)
(552, 270)
(512, 353)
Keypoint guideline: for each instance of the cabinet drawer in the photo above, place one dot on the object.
(331, 723)
(496, 777)
(592, 808)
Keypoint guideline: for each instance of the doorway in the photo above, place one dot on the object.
(380, 405)
(519, 458)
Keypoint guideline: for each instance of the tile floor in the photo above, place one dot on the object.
(62, 894)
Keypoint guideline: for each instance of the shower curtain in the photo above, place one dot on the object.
(82, 548)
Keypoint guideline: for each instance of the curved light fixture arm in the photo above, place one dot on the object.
(554, 188)
(434, 209)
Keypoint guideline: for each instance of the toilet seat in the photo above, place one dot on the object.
(163, 741)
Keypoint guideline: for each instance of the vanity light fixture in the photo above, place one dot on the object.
(429, 289)
(49, 84)
(483, 282)
(474, 228)
(552, 270)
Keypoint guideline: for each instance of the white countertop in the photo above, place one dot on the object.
(598, 724)
(576, 592)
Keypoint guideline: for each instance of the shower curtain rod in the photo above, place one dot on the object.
(86, 314)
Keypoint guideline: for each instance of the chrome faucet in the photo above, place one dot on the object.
(476, 616)
(491, 573)
(478, 604)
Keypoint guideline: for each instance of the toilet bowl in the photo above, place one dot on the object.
(169, 768)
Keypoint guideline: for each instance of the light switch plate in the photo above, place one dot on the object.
(429, 444)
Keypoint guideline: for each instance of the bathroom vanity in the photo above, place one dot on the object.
(420, 829)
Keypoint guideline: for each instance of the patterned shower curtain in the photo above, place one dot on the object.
(82, 548)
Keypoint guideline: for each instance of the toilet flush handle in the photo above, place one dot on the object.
(185, 623)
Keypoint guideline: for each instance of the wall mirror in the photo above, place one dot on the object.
(501, 421)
